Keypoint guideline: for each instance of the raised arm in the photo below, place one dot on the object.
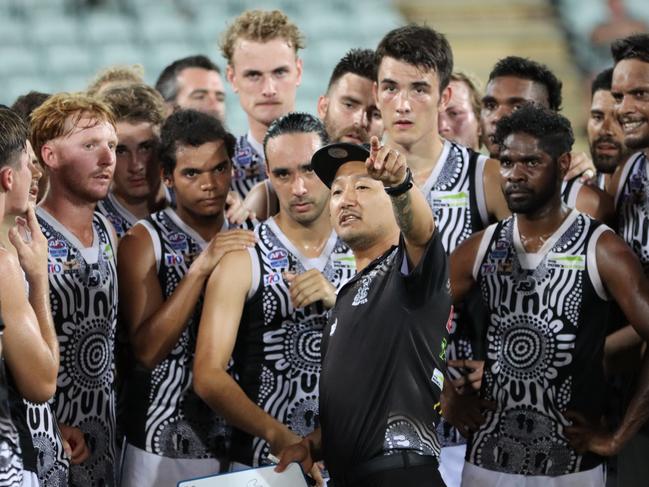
(225, 297)
(155, 324)
(411, 210)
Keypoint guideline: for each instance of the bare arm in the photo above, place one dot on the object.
(155, 324)
(257, 201)
(596, 203)
(225, 297)
(461, 264)
(495, 200)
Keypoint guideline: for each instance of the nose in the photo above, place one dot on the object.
(361, 118)
(625, 106)
(298, 187)
(403, 102)
(107, 156)
(269, 88)
(444, 126)
(515, 173)
(608, 124)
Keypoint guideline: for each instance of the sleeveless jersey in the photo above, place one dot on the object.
(570, 192)
(277, 353)
(83, 296)
(548, 323)
(632, 205)
(249, 166)
(455, 192)
(11, 462)
(121, 218)
(165, 416)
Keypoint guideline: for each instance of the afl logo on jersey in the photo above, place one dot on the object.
(58, 249)
(178, 241)
(244, 156)
(278, 258)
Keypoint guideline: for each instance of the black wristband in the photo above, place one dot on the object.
(401, 188)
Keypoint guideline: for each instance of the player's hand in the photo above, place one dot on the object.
(471, 379)
(464, 411)
(585, 436)
(236, 213)
(31, 245)
(385, 164)
(309, 287)
(300, 452)
(224, 242)
(74, 437)
(581, 165)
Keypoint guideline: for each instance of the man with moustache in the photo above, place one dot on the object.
(74, 137)
(348, 111)
(266, 307)
(264, 70)
(548, 275)
(193, 82)
(164, 263)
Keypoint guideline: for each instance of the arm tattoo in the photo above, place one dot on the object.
(402, 207)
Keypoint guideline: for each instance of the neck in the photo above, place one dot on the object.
(310, 238)
(72, 211)
(257, 129)
(5, 225)
(534, 228)
(364, 256)
(422, 156)
(143, 207)
(206, 226)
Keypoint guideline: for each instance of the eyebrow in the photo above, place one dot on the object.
(351, 99)
(354, 177)
(420, 84)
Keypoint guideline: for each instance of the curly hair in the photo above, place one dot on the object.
(190, 128)
(260, 26)
(420, 46)
(116, 75)
(523, 68)
(553, 130)
(49, 120)
(134, 102)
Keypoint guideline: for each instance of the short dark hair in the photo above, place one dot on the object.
(602, 81)
(296, 123)
(26, 104)
(525, 68)
(192, 128)
(134, 102)
(635, 46)
(420, 46)
(553, 130)
(361, 62)
(13, 136)
(167, 84)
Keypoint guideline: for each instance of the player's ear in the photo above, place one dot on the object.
(6, 179)
(564, 163)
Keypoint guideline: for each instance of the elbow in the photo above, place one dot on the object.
(145, 355)
(39, 392)
(206, 383)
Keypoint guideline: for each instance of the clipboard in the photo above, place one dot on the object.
(254, 477)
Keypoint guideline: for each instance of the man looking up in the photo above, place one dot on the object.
(74, 137)
(137, 188)
(193, 82)
(264, 70)
(164, 262)
(267, 307)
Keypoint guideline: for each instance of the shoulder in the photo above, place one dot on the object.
(137, 240)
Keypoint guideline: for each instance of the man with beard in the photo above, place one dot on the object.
(548, 275)
(267, 307)
(164, 262)
(74, 137)
(348, 111)
(264, 70)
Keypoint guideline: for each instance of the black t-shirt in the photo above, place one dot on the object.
(384, 352)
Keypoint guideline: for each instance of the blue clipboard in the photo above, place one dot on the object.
(254, 477)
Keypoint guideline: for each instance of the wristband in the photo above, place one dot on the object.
(401, 188)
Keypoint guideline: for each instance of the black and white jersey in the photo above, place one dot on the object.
(120, 217)
(549, 314)
(83, 297)
(632, 205)
(277, 352)
(249, 165)
(11, 460)
(570, 192)
(165, 416)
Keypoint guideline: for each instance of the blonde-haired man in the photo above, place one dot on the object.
(74, 137)
(261, 49)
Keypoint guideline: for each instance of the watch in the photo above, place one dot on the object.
(400, 188)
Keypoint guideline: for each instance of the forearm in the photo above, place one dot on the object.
(414, 216)
(39, 298)
(638, 411)
(621, 341)
(156, 336)
(314, 440)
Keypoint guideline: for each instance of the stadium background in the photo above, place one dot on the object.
(59, 45)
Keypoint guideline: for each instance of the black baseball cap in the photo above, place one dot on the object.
(328, 159)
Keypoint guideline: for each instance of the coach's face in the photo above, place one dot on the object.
(409, 99)
(361, 210)
(630, 89)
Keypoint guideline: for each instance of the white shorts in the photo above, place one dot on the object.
(451, 464)
(474, 476)
(143, 469)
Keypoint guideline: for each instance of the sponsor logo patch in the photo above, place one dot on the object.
(449, 199)
(438, 378)
(58, 249)
(273, 278)
(569, 262)
(174, 259)
(278, 259)
(178, 241)
(343, 261)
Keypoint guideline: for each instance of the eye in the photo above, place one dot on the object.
(121, 150)
(532, 163)
(190, 173)
(362, 187)
(376, 115)
(146, 148)
(489, 105)
(505, 163)
(253, 76)
(89, 146)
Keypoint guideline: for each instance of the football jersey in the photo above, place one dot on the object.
(249, 165)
